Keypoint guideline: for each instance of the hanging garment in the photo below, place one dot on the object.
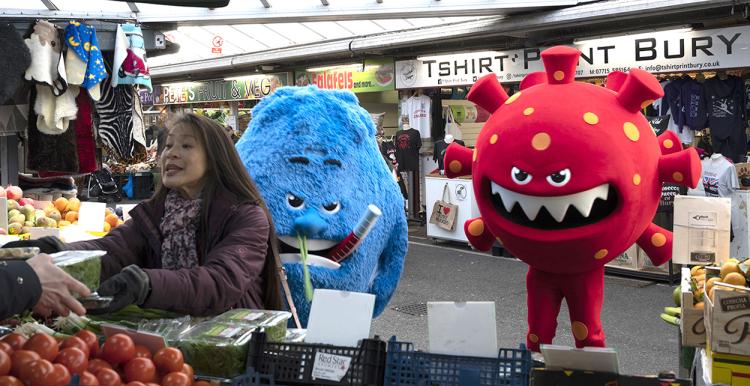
(55, 112)
(14, 63)
(139, 127)
(130, 65)
(50, 152)
(84, 62)
(694, 113)
(725, 102)
(47, 65)
(115, 120)
(85, 135)
(408, 144)
(418, 108)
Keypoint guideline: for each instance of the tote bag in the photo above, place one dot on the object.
(444, 212)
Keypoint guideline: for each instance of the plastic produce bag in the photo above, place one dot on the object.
(273, 323)
(84, 266)
(216, 349)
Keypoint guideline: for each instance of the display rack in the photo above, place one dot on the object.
(671, 276)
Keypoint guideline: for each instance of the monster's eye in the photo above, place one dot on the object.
(519, 176)
(294, 202)
(560, 178)
(332, 207)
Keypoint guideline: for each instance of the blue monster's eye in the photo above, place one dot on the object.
(294, 202)
(332, 207)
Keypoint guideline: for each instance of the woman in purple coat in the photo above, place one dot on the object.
(204, 243)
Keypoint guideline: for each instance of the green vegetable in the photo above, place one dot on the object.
(674, 311)
(216, 349)
(132, 315)
(84, 266)
(670, 319)
(302, 242)
(272, 322)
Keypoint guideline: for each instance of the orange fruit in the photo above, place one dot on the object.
(71, 216)
(112, 219)
(61, 203)
(697, 270)
(735, 278)
(107, 227)
(74, 204)
(107, 212)
(63, 223)
(710, 283)
(699, 305)
(728, 268)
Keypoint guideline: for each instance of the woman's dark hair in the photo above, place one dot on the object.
(225, 171)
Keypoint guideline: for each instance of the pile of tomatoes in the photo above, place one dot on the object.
(44, 361)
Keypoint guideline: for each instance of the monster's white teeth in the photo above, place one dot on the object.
(557, 206)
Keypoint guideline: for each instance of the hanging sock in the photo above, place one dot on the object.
(84, 61)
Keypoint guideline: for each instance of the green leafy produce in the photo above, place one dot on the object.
(216, 349)
(84, 266)
(132, 316)
(272, 322)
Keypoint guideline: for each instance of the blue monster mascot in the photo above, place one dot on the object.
(313, 155)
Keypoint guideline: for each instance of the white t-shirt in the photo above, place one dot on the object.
(718, 179)
(418, 109)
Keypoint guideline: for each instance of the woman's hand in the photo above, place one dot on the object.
(57, 287)
(131, 286)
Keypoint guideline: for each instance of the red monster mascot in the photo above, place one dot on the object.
(567, 176)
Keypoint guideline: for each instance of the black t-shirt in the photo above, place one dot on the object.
(407, 144)
(438, 153)
(388, 150)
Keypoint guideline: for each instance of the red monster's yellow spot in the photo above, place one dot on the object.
(541, 141)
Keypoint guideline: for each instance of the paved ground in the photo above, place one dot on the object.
(450, 272)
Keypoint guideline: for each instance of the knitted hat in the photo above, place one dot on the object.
(14, 63)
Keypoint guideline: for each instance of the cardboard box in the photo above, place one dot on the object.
(727, 319)
(692, 326)
(701, 230)
(727, 369)
(628, 259)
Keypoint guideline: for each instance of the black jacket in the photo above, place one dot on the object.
(19, 286)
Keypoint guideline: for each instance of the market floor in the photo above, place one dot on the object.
(645, 344)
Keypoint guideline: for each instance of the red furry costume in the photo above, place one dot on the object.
(568, 175)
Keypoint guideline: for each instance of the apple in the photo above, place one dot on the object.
(26, 201)
(2, 192)
(13, 192)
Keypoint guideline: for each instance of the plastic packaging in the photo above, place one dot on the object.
(272, 322)
(216, 349)
(295, 335)
(18, 253)
(84, 266)
(170, 329)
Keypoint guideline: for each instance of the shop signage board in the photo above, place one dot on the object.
(656, 52)
(247, 88)
(377, 76)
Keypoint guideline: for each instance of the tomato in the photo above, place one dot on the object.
(142, 352)
(108, 377)
(169, 360)
(88, 379)
(73, 359)
(98, 364)
(6, 347)
(140, 369)
(7, 380)
(187, 369)
(118, 348)
(44, 345)
(20, 359)
(176, 379)
(201, 383)
(4, 363)
(90, 339)
(37, 373)
(16, 341)
(60, 376)
(77, 343)
(135, 383)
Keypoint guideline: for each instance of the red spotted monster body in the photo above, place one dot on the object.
(568, 175)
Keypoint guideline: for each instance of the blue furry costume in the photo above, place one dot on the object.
(313, 156)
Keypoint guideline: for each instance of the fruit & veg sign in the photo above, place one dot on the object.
(247, 88)
(377, 76)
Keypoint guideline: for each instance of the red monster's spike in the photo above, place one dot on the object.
(488, 93)
(478, 234)
(458, 161)
(560, 64)
(669, 142)
(639, 90)
(615, 79)
(657, 243)
(682, 167)
(533, 79)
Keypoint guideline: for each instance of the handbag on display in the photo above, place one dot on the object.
(444, 212)
(451, 126)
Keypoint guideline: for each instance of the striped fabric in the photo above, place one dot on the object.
(115, 120)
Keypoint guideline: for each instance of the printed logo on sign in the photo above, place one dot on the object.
(702, 219)
(407, 73)
(330, 367)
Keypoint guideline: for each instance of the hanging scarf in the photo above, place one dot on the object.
(179, 227)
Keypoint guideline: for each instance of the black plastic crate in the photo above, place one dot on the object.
(292, 363)
(405, 366)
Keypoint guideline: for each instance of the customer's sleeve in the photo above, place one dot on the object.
(232, 267)
(19, 286)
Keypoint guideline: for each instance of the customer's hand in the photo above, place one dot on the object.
(46, 244)
(57, 287)
(130, 286)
